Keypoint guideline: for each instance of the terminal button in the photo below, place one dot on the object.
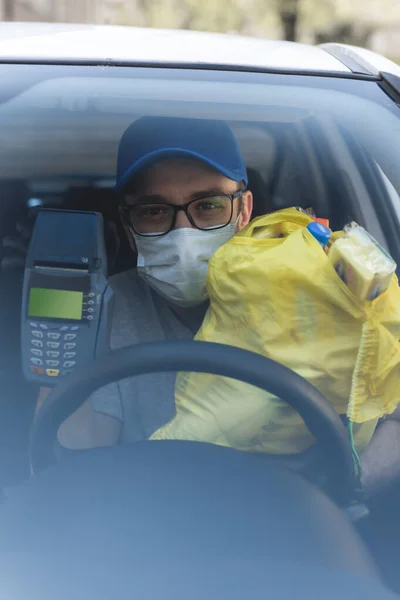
(69, 346)
(54, 336)
(52, 363)
(52, 372)
(37, 370)
(53, 345)
(37, 343)
(69, 364)
(69, 337)
(36, 361)
(65, 373)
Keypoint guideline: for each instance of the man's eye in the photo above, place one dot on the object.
(206, 206)
(209, 205)
(152, 211)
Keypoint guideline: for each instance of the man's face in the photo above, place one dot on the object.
(177, 181)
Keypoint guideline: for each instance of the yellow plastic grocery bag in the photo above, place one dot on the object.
(274, 291)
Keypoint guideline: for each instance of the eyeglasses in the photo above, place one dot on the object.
(156, 218)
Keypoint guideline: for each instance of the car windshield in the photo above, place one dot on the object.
(327, 143)
(233, 235)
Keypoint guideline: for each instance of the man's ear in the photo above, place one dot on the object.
(247, 209)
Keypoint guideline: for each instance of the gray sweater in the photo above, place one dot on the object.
(144, 403)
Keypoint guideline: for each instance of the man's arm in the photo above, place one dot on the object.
(86, 428)
(380, 462)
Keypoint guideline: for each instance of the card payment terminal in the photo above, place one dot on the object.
(67, 301)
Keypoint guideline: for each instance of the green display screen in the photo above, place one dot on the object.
(55, 304)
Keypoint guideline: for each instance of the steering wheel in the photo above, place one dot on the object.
(202, 357)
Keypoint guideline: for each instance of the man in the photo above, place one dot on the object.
(183, 184)
(183, 188)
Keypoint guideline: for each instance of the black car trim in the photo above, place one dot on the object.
(191, 66)
(391, 85)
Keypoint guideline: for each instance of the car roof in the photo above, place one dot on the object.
(55, 42)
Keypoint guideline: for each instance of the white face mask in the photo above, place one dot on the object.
(176, 264)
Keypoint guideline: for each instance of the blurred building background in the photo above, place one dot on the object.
(370, 23)
(71, 11)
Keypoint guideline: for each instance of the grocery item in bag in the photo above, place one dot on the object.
(321, 233)
(361, 263)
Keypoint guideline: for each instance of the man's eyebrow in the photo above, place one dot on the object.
(159, 199)
(208, 192)
(150, 198)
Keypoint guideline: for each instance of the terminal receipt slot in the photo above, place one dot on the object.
(67, 301)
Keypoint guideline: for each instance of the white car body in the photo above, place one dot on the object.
(54, 42)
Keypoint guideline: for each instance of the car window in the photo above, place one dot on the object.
(328, 143)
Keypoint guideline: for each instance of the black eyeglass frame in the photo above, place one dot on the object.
(176, 208)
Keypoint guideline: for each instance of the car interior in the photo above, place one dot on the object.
(291, 161)
(273, 184)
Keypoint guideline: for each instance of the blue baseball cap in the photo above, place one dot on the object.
(150, 139)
